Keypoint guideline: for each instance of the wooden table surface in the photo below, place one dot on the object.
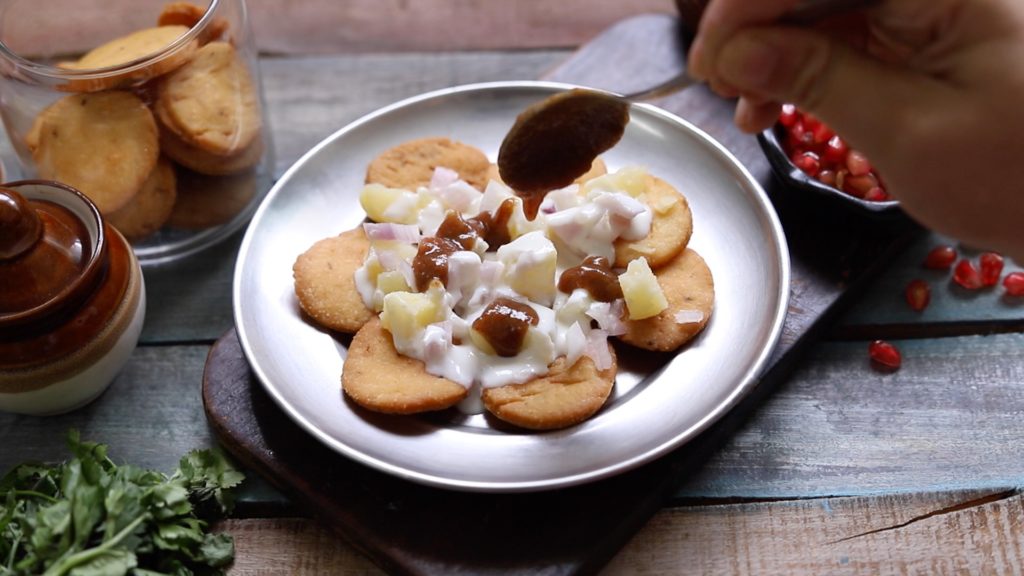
(843, 470)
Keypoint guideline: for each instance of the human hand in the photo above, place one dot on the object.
(930, 90)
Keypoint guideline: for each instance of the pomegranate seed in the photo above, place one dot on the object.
(884, 355)
(811, 122)
(991, 268)
(1014, 284)
(857, 163)
(808, 162)
(967, 276)
(876, 194)
(918, 295)
(859, 186)
(789, 115)
(827, 177)
(940, 258)
(822, 134)
(836, 150)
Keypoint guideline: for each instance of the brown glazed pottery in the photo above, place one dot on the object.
(72, 300)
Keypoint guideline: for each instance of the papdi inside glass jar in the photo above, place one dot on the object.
(153, 109)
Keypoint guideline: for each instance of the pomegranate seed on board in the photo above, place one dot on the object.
(1014, 284)
(991, 268)
(884, 355)
(940, 258)
(967, 276)
(918, 295)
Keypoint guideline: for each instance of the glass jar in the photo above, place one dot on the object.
(153, 109)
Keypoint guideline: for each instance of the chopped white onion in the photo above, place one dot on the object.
(575, 343)
(620, 204)
(407, 233)
(688, 316)
(443, 177)
(608, 316)
(597, 349)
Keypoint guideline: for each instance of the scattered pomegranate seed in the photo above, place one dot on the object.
(918, 295)
(967, 276)
(991, 268)
(884, 355)
(940, 258)
(1014, 284)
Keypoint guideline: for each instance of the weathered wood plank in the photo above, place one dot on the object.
(150, 416)
(949, 419)
(976, 532)
(322, 26)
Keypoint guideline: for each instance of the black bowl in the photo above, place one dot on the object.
(795, 178)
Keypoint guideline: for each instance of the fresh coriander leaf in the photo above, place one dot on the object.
(91, 517)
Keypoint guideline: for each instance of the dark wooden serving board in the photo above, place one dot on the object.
(413, 529)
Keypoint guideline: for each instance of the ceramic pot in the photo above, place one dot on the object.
(72, 300)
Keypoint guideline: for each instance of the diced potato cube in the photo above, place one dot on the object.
(641, 291)
(406, 314)
(392, 281)
(631, 180)
(376, 199)
(530, 263)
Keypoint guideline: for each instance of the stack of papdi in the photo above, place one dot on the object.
(455, 297)
(132, 141)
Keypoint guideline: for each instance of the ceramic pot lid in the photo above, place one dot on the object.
(47, 256)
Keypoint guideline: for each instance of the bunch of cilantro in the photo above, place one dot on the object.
(91, 517)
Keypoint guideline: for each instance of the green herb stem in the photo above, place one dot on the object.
(34, 494)
(86, 555)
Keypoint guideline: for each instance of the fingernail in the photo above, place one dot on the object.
(748, 62)
(695, 61)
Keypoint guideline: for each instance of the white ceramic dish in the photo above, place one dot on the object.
(659, 401)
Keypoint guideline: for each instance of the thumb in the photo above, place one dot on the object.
(860, 97)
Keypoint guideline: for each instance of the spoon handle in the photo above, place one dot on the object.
(805, 13)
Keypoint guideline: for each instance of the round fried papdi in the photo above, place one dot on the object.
(211, 101)
(688, 286)
(325, 281)
(378, 378)
(127, 49)
(207, 201)
(671, 227)
(151, 207)
(562, 397)
(411, 164)
(188, 14)
(104, 144)
(204, 162)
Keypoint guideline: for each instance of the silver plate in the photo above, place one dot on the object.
(659, 401)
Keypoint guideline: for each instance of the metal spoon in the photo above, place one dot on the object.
(556, 140)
